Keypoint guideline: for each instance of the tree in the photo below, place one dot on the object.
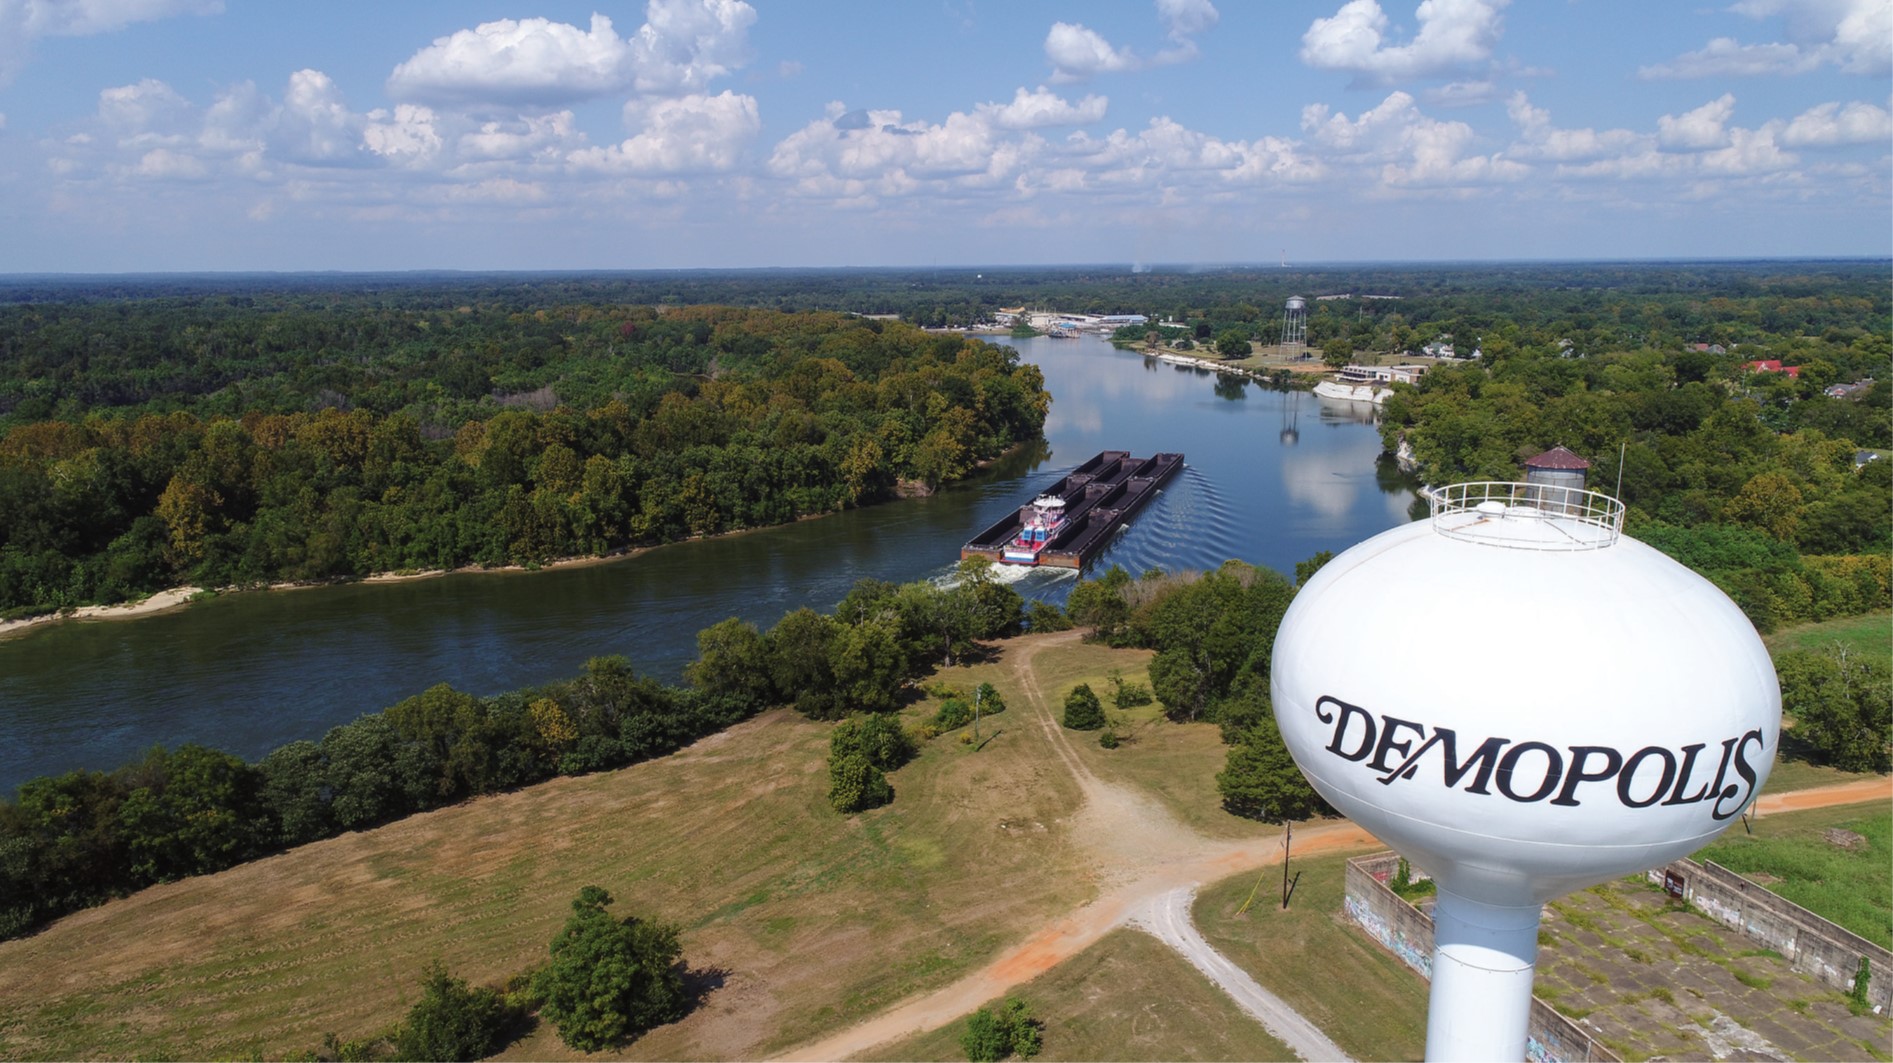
(732, 658)
(1842, 705)
(1305, 570)
(1083, 711)
(1260, 781)
(452, 1021)
(1099, 603)
(610, 980)
(991, 1037)
(1233, 343)
(1337, 352)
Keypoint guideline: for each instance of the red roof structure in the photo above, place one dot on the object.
(1557, 458)
(1772, 365)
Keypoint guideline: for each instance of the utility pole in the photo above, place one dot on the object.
(976, 693)
(1288, 835)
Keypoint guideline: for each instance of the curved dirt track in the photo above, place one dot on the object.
(1144, 855)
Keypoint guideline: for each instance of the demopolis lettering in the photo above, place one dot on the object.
(1527, 772)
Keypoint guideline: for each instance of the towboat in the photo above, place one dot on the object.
(1044, 516)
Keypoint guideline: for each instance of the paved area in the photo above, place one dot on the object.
(1653, 980)
(1167, 917)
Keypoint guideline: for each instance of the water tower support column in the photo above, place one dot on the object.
(1483, 961)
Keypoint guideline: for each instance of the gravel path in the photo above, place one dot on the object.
(1167, 917)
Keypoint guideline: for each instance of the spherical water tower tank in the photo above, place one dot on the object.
(1524, 703)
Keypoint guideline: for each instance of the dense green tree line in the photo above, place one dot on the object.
(1749, 478)
(73, 840)
(799, 415)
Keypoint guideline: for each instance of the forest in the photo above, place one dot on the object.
(151, 444)
(228, 431)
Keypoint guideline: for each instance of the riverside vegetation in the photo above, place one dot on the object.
(220, 445)
(1750, 481)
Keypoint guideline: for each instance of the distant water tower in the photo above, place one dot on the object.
(1295, 322)
(1410, 684)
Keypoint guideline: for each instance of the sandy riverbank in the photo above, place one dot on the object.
(178, 597)
(164, 600)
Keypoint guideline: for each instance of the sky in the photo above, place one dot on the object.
(195, 135)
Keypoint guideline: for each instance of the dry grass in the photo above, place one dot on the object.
(1127, 997)
(1359, 994)
(816, 919)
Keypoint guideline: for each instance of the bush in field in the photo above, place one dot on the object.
(953, 713)
(1083, 711)
(610, 980)
(992, 1037)
(452, 1021)
(855, 784)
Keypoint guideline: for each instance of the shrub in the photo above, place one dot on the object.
(953, 713)
(1083, 711)
(989, 1037)
(855, 784)
(452, 1021)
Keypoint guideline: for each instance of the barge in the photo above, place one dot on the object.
(1070, 521)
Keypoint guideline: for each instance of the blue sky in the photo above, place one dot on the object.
(144, 135)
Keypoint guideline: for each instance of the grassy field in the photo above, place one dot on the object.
(1127, 997)
(1790, 854)
(732, 838)
(1869, 634)
(1175, 763)
(1358, 993)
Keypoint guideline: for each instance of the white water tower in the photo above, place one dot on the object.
(1295, 322)
(1523, 703)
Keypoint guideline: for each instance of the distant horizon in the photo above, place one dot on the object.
(1129, 268)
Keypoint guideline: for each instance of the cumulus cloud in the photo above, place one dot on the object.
(1698, 130)
(877, 152)
(538, 63)
(1454, 36)
(1539, 139)
(409, 135)
(1855, 36)
(1833, 124)
(24, 21)
(148, 107)
(693, 134)
(1408, 147)
(163, 164)
(1077, 52)
(1043, 107)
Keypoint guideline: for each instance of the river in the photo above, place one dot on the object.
(1270, 478)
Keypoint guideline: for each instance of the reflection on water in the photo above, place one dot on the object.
(247, 672)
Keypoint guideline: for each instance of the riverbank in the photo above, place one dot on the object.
(178, 597)
(163, 601)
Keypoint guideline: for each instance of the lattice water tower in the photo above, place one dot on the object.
(1523, 702)
(1295, 322)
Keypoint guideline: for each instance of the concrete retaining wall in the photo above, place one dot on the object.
(1408, 933)
(1811, 944)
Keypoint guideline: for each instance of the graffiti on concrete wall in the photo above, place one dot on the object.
(1418, 957)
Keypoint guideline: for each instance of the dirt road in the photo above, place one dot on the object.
(1151, 862)
(1167, 917)
(1142, 853)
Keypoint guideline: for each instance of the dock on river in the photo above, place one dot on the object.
(1100, 496)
